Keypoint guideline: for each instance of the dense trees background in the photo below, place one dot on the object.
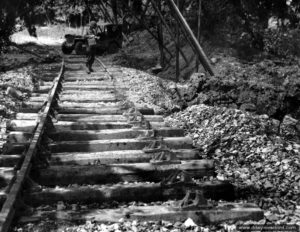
(241, 19)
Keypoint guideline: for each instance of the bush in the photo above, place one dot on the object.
(282, 43)
(7, 21)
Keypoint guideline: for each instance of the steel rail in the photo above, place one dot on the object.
(105, 68)
(10, 205)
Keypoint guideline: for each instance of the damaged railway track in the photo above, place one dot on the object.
(78, 140)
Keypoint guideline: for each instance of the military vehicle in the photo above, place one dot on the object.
(109, 40)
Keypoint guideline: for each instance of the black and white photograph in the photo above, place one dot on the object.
(149, 115)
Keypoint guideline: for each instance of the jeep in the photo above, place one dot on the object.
(108, 40)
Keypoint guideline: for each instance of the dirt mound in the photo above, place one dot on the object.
(247, 151)
(254, 96)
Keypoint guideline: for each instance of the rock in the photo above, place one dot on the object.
(134, 229)
(14, 93)
(175, 230)
(60, 206)
(248, 107)
(103, 227)
(74, 207)
(197, 229)
(177, 224)
(214, 60)
(201, 99)
(268, 185)
(169, 225)
(233, 106)
(134, 223)
(175, 109)
(196, 136)
(3, 126)
(127, 224)
(272, 217)
(157, 69)
(290, 128)
(3, 110)
(114, 227)
(189, 223)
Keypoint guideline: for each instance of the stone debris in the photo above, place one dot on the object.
(248, 151)
(189, 223)
(12, 92)
(146, 90)
(138, 226)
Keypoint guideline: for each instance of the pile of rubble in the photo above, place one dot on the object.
(248, 151)
(14, 88)
(125, 225)
(146, 90)
(268, 87)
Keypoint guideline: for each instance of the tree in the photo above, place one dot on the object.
(8, 15)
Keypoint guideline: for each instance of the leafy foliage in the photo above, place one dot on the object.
(231, 15)
(282, 43)
(7, 20)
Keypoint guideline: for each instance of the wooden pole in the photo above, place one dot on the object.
(114, 7)
(107, 15)
(177, 50)
(198, 30)
(196, 46)
(160, 36)
(91, 15)
(104, 13)
(81, 23)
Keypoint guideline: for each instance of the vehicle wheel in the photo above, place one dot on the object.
(66, 49)
(113, 48)
(80, 49)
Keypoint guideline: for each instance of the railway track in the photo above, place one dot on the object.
(78, 141)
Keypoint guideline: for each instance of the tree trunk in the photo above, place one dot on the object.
(160, 37)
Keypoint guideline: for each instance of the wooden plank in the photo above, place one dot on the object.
(3, 197)
(6, 176)
(64, 125)
(42, 89)
(117, 144)
(87, 84)
(24, 137)
(92, 87)
(38, 105)
(101, 109)
(110, 157)
(79, 77)
(112, 134)
(88, 117)
(222, 213)
(10, 160)
(102, 145)
(29, 125)
(19, 137)
(145, 192)
(115, 173)
(77, 100)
